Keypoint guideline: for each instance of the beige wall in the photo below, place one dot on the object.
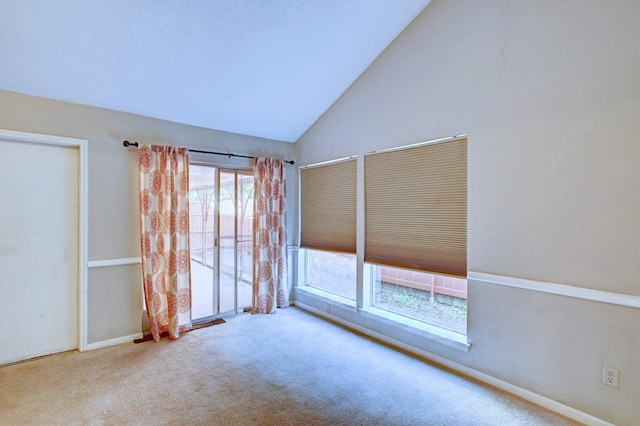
(114, 292)
(549, 94)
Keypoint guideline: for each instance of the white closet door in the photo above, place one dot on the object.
(39, 252)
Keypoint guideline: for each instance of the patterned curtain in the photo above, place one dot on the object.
(164, 238)
(270, 288)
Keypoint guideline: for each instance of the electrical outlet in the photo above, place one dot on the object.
(610, 376)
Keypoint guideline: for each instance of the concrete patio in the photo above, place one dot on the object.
(202, 303)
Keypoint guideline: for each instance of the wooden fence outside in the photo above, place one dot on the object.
(431, 283)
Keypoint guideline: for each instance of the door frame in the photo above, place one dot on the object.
(83, 196)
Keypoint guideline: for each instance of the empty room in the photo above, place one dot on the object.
(403, 212)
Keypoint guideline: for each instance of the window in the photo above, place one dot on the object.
(332, 272)
(432, 298)
(416, 231)
(328, 206)
(416, 208)
(412, 222)
(328, 226)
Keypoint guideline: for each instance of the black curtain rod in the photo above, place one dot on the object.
(226, 154)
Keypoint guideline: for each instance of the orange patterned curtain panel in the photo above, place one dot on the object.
(270, 288)
(164, 238)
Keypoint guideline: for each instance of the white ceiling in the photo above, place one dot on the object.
(267, 68)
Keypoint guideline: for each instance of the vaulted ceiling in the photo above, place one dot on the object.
(267, 68)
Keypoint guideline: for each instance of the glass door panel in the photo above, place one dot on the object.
(244, 251)
(227, 240)
(202, 221)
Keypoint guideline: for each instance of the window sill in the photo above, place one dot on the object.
(441, 335)
(419, 329)
(327, 297)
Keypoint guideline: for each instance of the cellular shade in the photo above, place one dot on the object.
(328, 207)
(416, 208)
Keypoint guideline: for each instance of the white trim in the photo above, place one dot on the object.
(422, 329)
(328, 162)
(84, 243)
(113, 262)
(525, 394)
(222, 165)
(364, 288)
(113, 342)
(38, 138)
(558, 289)
(436, 334)
(328, 298)
(417, 144)
(83, 213)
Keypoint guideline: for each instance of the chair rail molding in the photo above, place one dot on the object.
(559, 289)
(101, 263)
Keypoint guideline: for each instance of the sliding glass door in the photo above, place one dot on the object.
(221, 209)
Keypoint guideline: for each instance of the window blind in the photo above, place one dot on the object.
(416, 208)
(328, 207)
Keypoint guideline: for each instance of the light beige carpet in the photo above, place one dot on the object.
(291, 368)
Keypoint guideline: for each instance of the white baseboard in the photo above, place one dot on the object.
(113, 342)
(525, 394)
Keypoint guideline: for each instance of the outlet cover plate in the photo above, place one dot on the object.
(610, 376)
